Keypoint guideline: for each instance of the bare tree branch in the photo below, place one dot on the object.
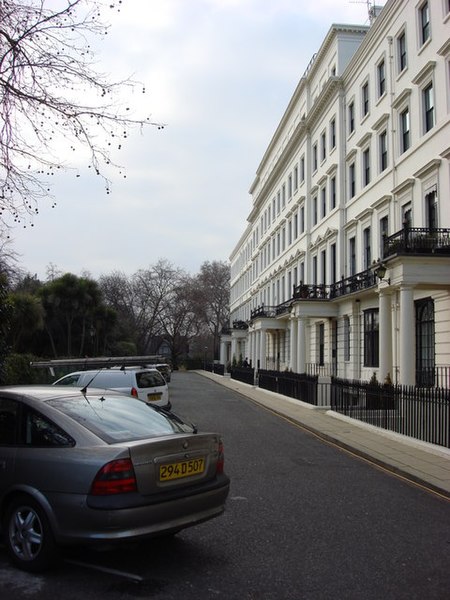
(53, 99)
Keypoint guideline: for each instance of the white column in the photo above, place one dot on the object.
(293, 344)
(250, 347)
(233, 349)
(257, 348)
(222, 353)
(301, 360)
(385, 333)
(262, 349)
(407, 337)
(355, 340)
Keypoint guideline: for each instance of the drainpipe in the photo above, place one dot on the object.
(342, 178)
(393, 140)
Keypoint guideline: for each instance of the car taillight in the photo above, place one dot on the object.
(116, 477)
(220, 459)
(134, 392)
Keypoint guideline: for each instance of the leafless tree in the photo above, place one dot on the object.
(163, 302)
(152, 287)
(53, 101)
(141, 299)
(213, 283)
(179, 317)
(118, 293)
(9, 261)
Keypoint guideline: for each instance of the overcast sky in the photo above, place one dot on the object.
(220, 74)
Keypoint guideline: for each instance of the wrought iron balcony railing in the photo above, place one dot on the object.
(348, 285)
(355, 283)
(311, 291)
(417, 240)
(283, 308)
(263, 311)
(240, 325)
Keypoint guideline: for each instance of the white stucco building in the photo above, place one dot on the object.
(355, 177)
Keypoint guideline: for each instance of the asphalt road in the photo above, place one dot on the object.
(305, 521)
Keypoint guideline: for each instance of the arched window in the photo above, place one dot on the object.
(425, 350)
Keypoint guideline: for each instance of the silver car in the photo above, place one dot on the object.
(97, 466)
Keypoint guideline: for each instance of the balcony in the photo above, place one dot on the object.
(240, 325)
(417, 240)
(355, 283)
(305, 291)
(283, 308)
(262, 311)
(410, 240)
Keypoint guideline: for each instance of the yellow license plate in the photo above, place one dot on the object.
(153, 397)
(185, 468)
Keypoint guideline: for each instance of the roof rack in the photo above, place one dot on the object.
(98, 362)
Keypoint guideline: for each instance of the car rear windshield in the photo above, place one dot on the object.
(118, 418)
(147, 379)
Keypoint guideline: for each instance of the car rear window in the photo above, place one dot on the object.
(117, 418)
(148, 379)
(111, 379)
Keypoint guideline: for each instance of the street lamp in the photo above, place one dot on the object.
(380, 271)
(204, 358)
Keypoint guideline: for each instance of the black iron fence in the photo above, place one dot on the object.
(216, 368)
(438, 376)
(295, 385)
(421, 413)
(244, 374)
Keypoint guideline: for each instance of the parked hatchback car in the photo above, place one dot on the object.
(98, 466)
(147, 384)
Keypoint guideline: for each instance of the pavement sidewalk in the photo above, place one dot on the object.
(422, 463)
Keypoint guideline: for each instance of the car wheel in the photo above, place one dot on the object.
(28, 536)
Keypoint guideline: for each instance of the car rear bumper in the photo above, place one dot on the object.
(75, 522)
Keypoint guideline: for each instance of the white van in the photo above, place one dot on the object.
(146, 384)
(165, 369)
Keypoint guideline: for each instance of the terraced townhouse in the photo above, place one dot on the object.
(344, 265)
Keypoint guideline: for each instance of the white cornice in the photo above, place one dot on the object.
(446, 153)
(364, 140)
(381, 202)
(403, 97)
(424, 73)
(431, 166)
(380, 122)
(408, 183)
(445, 49)
(332, 169)
(351, 154)
(367, 212)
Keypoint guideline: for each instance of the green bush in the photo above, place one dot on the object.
(17, 370)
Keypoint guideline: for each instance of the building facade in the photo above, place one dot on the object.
(344, 266)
